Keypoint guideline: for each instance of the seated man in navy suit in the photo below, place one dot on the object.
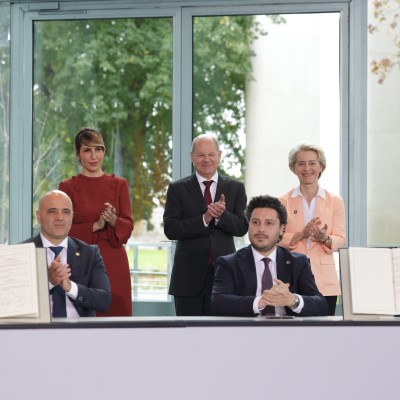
(264, 278)
(78, 281)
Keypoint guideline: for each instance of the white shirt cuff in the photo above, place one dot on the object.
(255, 305)
(73, 293)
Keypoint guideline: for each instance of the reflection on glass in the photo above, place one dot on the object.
(4, 119)
(115, 75)
(383, 184)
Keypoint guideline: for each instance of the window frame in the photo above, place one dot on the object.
(353, 78)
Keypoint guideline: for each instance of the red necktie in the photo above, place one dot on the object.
(207, 201)
(207, 193)
(266, 283)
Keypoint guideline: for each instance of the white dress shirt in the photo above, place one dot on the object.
(309, 210)
(213, 188)
(260, 266)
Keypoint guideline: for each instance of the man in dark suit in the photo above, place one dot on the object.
(264, 278)
(77, 276)
(203, 218)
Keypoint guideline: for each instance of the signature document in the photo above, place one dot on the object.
(18, 281)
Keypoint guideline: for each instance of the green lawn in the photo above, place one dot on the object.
(151, 259)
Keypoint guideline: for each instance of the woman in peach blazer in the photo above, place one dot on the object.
(316, 220)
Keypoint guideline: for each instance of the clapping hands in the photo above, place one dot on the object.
(215, 210)
(107, 216)
(314, 230)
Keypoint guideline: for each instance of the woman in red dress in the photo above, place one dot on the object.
(102, 216)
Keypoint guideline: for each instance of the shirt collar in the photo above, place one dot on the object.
(201, 178)
(258, 256)
(47, 243)
(320, 193)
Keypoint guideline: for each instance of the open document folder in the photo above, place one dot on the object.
(370, 281)
(24, 290)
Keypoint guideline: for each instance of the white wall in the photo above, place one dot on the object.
(199, 363)
(383, 143)
(294, 98)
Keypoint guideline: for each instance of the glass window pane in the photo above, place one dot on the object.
(114, 75)
(383, 124)
(4, 119)
(264, 84)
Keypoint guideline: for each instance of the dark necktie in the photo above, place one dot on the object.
(207, 201)
(207, 193)
(266, 283)
(58, 293)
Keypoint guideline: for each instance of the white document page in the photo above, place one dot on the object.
(371, 279)
(18, 280)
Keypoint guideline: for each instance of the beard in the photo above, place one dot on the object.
(267, 247)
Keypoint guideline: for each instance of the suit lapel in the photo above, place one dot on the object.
(294, 207)
(247, 268)
(283, 266)
(74, 259)
(299, 210)
(321, 206)
(195, 191)
(222, 187)
(37, 240)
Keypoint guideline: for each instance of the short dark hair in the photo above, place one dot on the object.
(266, 201)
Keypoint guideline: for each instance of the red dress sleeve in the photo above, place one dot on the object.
(122, 231)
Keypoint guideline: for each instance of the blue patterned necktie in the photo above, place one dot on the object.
(266, 283)
(58, 293)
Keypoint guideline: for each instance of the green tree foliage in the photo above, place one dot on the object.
(116, 75)
(221, 67)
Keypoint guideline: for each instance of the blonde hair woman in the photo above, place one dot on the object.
(316, 219)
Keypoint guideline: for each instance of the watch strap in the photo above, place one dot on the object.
(295, 303)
